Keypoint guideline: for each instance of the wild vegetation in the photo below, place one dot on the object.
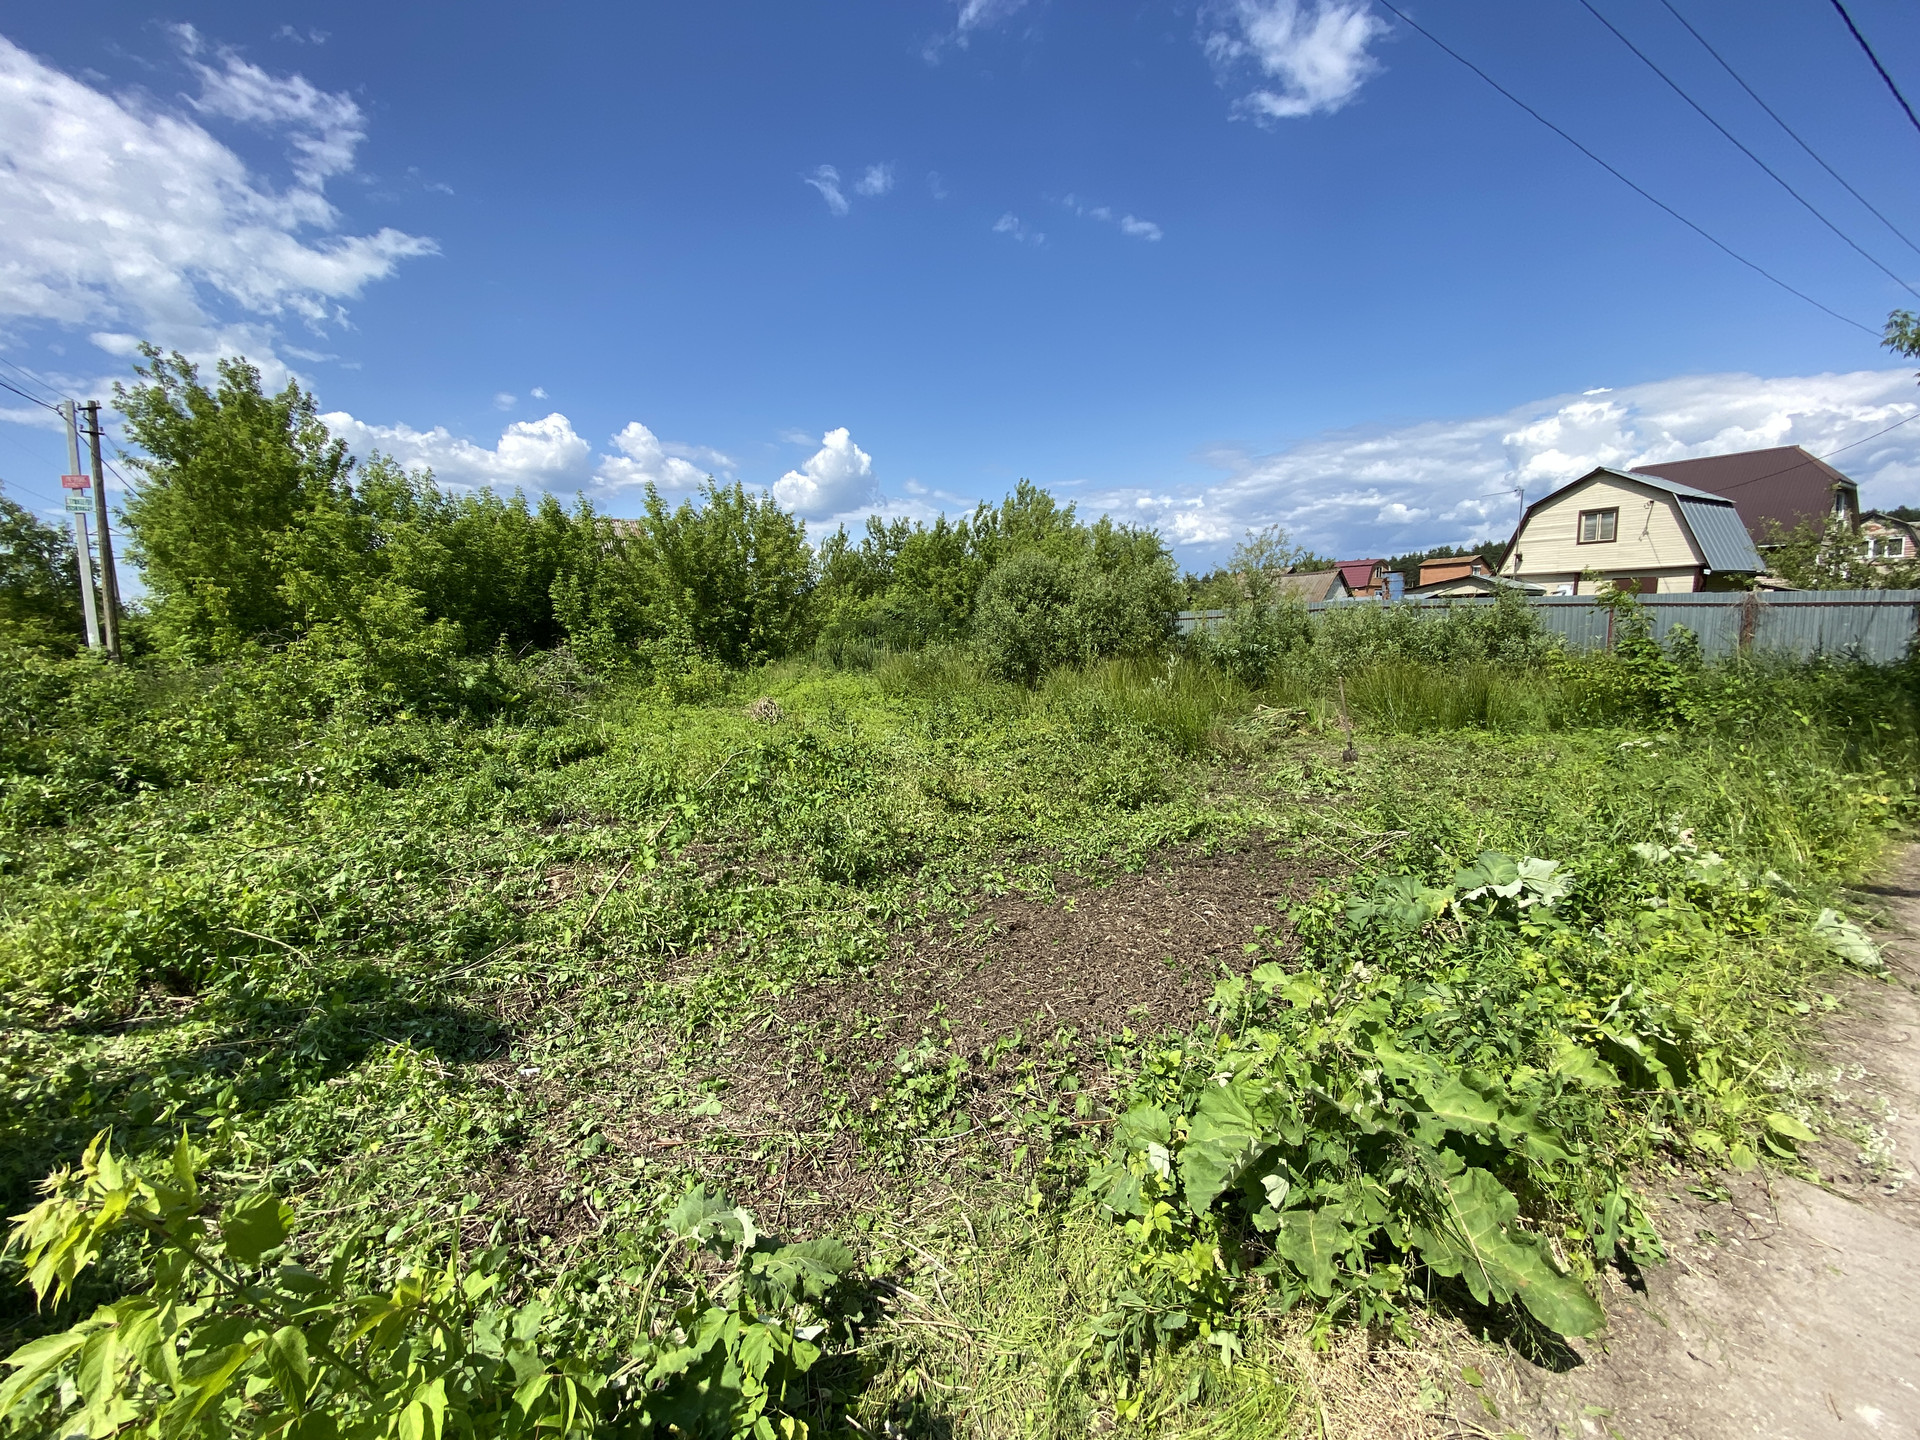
(483, 970)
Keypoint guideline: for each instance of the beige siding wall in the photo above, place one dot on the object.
(1650, 540)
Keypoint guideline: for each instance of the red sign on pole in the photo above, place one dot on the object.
(76, 482)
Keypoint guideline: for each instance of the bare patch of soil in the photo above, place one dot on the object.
(1789, 1309)
(967, 1042)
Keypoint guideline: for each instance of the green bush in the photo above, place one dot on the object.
(238, 1337)
(1037, 612)
(1255, 640)
(1020, 621)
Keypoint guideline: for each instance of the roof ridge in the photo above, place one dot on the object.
(1660, 482)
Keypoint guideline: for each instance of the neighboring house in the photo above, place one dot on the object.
(1313, 586)
(1309, 589)
(1432, 572)
(1784, 487)
(1476, 584)
(1887, 539)
(1637, 531)
(1364, 579)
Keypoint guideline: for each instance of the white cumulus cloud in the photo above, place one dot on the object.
(1311, 55)
(131, 221)
(826, 180)
(1382, 491)
(838, 479)
(644, 459)
(531, 454)
(877, 181)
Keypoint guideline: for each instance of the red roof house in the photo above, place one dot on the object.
(1364, 578)
(1783, 487)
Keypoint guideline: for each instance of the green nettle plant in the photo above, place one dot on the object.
(236, 1337)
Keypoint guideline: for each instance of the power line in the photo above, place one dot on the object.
(1786, 469)
(1875, 436)
(1735, 141)
(25, 396)
(1652, 199)
(1855, 29)
(29, 376)
(1788, 128)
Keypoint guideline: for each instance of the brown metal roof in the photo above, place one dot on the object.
(1313, 586)
(1783, 486)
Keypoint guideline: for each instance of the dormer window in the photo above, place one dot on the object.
(1598, 527)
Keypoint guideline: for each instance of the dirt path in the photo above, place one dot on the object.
(1789, 1310)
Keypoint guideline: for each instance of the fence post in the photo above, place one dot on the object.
(1749, 617)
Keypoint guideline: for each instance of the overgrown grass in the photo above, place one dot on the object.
(430, 978)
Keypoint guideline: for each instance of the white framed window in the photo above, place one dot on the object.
(1598, 527)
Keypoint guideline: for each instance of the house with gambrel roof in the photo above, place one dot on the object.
(1631, 531)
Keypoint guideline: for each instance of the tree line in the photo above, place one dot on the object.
(256, 530)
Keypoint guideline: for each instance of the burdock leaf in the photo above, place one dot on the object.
(1456, 1105)
(1789, 1128)
(1848, 940)
(1578, 1065)
(1313, 1243)
(1222, 1139)
(1509, 1264)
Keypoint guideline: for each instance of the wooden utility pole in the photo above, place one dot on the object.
(109, 578)
(82, 552)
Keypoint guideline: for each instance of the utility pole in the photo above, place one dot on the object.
(109, 578)
(73, 482)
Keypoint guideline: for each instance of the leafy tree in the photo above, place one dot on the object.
(228, 472)
(1833, 556)
(39, 582)
(1903, 333)
(734, 572)
(1028, 519)
(940, 567)
(1257, 561)
(1112, 593)
(1125, 593)
(902, 586)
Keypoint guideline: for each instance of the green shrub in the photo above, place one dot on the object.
(237, 1337)
(1020, 621)
(1255, 640)
(1037, 612)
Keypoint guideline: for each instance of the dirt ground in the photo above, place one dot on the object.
(1789, 1310)
(963, 1029)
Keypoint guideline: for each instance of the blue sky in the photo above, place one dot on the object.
(1205, 267)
